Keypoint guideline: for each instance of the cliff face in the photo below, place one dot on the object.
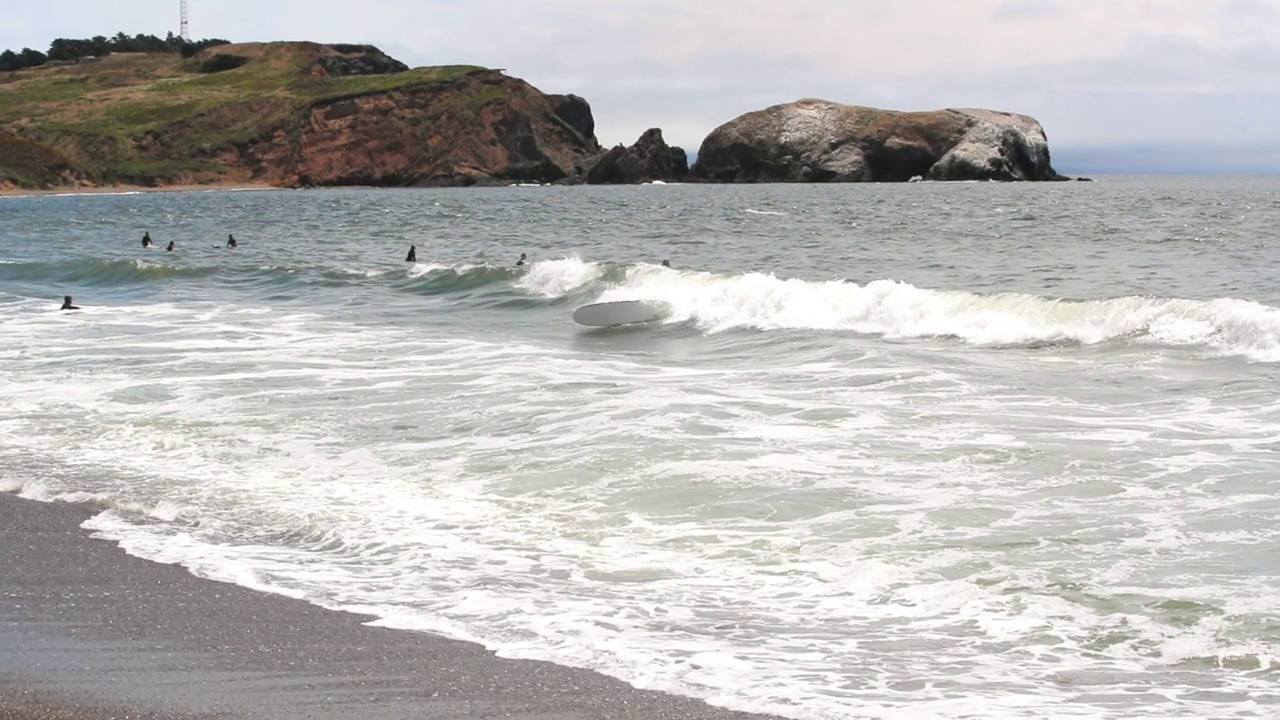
(821, 141)
(484, 127)
(292, 114)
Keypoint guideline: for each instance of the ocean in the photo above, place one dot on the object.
(935, 450)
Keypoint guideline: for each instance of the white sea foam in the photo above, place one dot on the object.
(421, 269)
(900, 310)
(1032, 508)
(877, 544)
(553, 278)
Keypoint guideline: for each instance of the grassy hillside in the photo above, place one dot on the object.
(159, 118)
(28, 164)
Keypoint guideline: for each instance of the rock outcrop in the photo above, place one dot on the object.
(649, 159)
(480, 127)
(483, 128)
(356, 60)
(291, 114)
(821, 141)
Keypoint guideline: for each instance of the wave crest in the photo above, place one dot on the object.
(895, 309)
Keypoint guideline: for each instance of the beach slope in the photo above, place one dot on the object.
(92, 632)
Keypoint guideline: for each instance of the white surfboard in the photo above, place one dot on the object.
(621, 312)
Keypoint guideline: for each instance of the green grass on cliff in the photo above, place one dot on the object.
(29, 164)
(136, 117)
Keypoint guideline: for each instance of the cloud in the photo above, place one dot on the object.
(1027, 11)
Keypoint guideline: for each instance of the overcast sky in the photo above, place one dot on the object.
(1093, 72)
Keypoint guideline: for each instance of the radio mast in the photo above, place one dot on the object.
(183, 32)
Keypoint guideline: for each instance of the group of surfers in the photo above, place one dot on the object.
(524, 258)
(413, 256)
(147, 242)
(231, 243)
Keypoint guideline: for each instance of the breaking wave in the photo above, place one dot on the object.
(757, 301)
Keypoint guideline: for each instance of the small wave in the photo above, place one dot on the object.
(101, 273)
(431, 279)
(354, 274)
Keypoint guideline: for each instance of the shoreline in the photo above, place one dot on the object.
(132, 189)
(93, 632)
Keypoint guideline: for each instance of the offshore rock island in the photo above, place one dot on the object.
(820, 141)
(302, 114)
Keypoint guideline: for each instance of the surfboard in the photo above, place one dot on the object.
(621, 312)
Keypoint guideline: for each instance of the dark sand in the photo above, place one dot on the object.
(87, 631)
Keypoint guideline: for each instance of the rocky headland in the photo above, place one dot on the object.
(301, 114)
(291, 114)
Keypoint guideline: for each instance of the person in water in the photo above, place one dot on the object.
(231, 241)
(146, 239)
(523, 257)
(666, 263)
(169, 247)
(413, 254)
(66, 304)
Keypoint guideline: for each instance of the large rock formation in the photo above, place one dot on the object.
(478, 127)
(820, 141)
(483, 128)
(290, 114)
(649, 159)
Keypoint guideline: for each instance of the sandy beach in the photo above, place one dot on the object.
(91, 632)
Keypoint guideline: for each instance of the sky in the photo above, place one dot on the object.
(1171, 84)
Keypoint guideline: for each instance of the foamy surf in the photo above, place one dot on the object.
(891, 309)
(1002, 474)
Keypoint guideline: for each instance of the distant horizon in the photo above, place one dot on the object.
(1167, 159)
(1153, 159)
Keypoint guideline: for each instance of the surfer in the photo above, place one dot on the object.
(666, 263)
(146, 239)
(66, 304)
(523, 257)
(231, 241)
(169, 247)
(413, 254)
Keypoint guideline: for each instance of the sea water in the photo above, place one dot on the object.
(920, 450)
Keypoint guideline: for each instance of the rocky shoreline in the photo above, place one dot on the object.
(347, 115)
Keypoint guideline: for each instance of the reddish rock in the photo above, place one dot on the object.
(482, 128)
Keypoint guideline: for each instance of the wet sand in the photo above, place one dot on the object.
(90, 632)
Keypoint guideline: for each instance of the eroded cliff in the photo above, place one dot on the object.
(291, 114)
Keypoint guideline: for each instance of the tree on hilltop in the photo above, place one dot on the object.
(73, 49)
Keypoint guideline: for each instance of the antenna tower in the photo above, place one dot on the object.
(183, 32)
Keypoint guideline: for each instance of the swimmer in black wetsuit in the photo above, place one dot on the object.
(413, 254)
(66, 304)
(146, 240)
(520, 262)
(666, 263)
(169, 247)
